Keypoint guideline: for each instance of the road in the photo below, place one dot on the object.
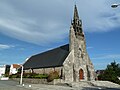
(13, 85)
(10, 85)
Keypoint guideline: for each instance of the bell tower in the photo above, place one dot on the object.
(82, 66)
(77, 66)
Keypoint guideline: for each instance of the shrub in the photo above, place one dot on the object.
(30, 75)
(14, 76)
(111, 73)
(53, 75)
(34, 75)
(41, 76)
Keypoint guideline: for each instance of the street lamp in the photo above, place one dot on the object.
(115, 5)
(21, 78)
(21, 74)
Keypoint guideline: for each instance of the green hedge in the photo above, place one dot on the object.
(34, 75)
(50, 77)
(14, 76)
(30, 75)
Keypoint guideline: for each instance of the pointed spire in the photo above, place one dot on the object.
(77, 23)
(76, 16)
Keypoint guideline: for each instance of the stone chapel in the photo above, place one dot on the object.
(70, 60)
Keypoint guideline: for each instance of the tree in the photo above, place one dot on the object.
(111, 73)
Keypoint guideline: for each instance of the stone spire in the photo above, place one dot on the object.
(77, 23)
(76, 16)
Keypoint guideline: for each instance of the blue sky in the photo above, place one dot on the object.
(28, 27)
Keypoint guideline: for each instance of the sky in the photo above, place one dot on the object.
(29, 27)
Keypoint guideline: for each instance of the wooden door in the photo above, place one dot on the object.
(81, 74)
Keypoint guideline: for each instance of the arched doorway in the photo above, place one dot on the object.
(81, 74)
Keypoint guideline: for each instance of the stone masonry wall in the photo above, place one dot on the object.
(45, 70)
(68, 68)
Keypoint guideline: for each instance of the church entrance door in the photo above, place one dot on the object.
(81, 74)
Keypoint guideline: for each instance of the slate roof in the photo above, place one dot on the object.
(51, 58)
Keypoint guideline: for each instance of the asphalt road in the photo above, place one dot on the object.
(10, 85)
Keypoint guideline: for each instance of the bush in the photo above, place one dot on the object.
(29, 75)
(41, 76)
(52, 76)
(14, 76)
(34, 75)
(111, 73)
(6, 75)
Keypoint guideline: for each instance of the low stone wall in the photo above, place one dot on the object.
(38, 81)
(58, 81)
(31, 80)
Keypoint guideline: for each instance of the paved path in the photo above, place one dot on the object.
(102, 85)
(65, 87)
(10, 85)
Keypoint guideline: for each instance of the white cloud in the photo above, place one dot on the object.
(109, 56)
(3, 46)
(30, 27)
(89, 47)
(97, 15)
(43, 22)
(102, 60)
